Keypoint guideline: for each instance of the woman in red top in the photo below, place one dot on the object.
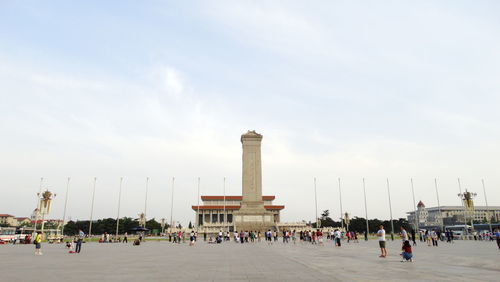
(407, 253)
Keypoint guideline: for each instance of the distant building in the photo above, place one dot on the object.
(23, 220)
(215, 214)
(7, 219)
(451, 215)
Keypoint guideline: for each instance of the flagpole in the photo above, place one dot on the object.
(65, 204)
(172, 204)
(146, 201)
(487, 207)
(341, 212)
(414, 206)
(198, 208)
(439, 205)
(224, 212)
(366, 211)
(37, 211)
(318, 222)
(92, 209)
(119, 204)
(390, 210)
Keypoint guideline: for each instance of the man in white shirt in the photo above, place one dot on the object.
(381, 241)
(404, 234)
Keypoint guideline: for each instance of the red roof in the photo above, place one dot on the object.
(420, 204)
(232, 207)
(5, 215)
(234, 198)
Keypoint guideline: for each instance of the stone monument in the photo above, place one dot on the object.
(251, 210)
(252, 215)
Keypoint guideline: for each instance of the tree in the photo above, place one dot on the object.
(190, 226)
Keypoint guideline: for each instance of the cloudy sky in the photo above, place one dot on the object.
(162, 89)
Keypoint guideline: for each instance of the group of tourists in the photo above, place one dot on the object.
(407, 253)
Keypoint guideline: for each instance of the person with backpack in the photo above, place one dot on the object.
(38, 243)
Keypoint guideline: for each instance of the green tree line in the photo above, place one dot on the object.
(358, 224)
(108, 225)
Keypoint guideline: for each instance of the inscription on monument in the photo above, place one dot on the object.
(252, 218)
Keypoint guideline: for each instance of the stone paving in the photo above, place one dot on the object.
(164, 261)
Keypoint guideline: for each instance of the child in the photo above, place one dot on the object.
(406, 254)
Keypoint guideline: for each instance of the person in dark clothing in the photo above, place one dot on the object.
(413, 237)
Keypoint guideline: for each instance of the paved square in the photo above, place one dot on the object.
(164, 261)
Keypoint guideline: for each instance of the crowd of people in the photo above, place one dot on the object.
(314, 237)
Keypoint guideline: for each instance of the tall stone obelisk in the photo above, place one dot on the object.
(252, 170)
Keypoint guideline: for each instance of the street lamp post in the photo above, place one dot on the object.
(37, 210)
(468, 200)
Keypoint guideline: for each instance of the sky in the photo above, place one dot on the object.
(162, 89)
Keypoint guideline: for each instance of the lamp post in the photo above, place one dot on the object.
(468, 200)
(146, 201)
(45, 205)
(347, 220)
(37, 210)
(462, 203)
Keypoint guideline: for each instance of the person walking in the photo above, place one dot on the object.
(38, 243)
(125, 238)
(79, 241)
(381, 241)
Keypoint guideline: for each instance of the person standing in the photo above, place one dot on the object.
(434, 237)
(404, 235)
(38, 243)
(125, 238)
(413, 237)
(497, 236)
(338, 236)
(79, 241)
(381, 241)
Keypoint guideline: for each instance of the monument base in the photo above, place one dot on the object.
(254, 218)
